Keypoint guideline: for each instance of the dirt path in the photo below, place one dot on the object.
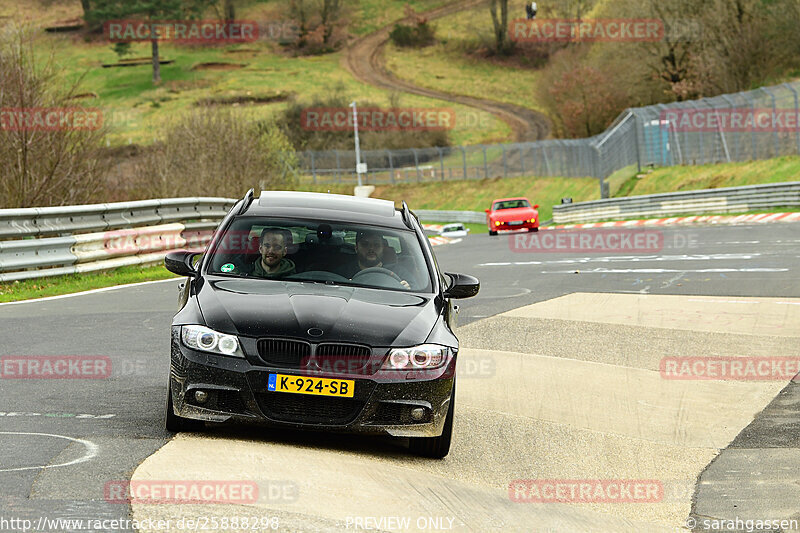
(364, 60)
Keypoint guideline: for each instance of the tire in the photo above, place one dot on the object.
(533, 229)
(492, 233)
(436, 447)
(178, 424)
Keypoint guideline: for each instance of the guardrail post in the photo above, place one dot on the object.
(441, 161)
(416, 162)
(338, 166)
(464, 160)
(313, 167)
(521, 159)
(505, 162)
(391, 166)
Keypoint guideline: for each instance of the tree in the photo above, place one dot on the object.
(317, 23)
(44, 162)
(149, 11)
(503, 44)
(193, 155)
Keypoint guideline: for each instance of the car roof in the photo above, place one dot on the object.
(324, 206)
(509, 199)
(453, 224)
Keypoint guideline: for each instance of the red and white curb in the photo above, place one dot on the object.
(762, 218)
(438, 241)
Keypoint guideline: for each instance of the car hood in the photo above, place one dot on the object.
(259, 308)
(518, 213)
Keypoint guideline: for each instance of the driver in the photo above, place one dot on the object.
(272, 248)
(369, 254)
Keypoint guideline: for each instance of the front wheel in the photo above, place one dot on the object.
(178, 424)
(532, 229)
(492, 233)
(437, 447)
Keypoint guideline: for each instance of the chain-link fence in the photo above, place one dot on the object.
(745, 126)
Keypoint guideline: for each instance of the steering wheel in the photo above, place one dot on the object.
(379, 270)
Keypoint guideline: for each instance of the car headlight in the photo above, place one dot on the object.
(207, 340)
(423, 357)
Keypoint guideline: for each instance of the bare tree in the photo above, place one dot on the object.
(215, 152)
(50, 151)
(502, 42)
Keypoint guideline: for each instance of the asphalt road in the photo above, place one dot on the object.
(65, 440)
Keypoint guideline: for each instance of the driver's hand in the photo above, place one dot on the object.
(405, 284)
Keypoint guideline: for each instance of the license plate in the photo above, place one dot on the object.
(342, 388)
(515, 223)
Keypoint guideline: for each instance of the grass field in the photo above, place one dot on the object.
(445, 67)
(476, 195)
(55, 286)
(137, 111)
(691, 178)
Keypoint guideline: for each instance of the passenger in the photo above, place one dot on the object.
(273, 248)
(369, 254)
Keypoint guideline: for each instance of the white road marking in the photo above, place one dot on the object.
(630, 258)
(662, 270)
(91, 451)
(93, 291)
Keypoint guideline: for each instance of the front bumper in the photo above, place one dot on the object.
(506, 226)
(237, 392)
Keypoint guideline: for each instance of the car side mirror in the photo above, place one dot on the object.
(487, 210)
(180, 263)
(536, 206)
(462, 286)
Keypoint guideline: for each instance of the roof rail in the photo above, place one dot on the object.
(246, 201)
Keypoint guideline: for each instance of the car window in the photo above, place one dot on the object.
(511, 204)
(319, 251)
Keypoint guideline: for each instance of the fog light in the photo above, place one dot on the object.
(201, 396)
(418, 413)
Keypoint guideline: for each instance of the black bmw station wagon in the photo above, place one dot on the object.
(317, 311)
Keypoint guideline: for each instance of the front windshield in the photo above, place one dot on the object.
(319, 251)
(511, 204)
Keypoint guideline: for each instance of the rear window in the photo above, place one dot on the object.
(317, 251)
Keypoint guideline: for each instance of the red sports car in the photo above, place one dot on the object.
(512, 214)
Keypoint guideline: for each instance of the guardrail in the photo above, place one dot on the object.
(54, 241)
(725, 200)
(465, 217)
